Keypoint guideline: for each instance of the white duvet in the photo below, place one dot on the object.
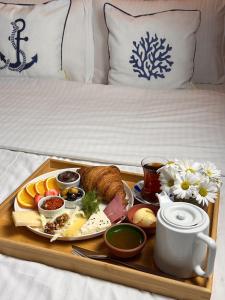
(106, 124)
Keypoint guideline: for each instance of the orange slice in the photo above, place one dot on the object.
(51, 184)
(30, 189)
(24, 199)
(40, 187)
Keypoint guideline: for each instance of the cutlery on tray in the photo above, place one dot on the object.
(98, 256)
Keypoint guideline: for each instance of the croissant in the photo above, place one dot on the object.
(105, 180)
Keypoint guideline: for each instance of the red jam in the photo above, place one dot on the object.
(52, 203)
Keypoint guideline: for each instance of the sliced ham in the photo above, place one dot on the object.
(116, 209)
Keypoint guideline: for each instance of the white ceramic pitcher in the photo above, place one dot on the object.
(182, 240)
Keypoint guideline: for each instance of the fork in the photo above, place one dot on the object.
(83, 253)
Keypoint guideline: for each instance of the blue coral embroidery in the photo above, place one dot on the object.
(15, 38)
(151, 57)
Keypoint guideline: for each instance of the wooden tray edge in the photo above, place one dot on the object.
(103, 270)
(214, 227)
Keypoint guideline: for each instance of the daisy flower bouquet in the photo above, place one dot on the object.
(189, 181)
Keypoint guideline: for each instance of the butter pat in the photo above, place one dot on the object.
(27, 218)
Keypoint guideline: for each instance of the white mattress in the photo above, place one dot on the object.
(107, 124)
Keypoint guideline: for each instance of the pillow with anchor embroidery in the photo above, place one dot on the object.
(153, 50)
(31, 37)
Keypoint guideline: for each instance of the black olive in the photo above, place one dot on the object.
(79, 194)
(71, 196)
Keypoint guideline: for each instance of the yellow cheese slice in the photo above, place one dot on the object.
(74, 228)
(27, 218)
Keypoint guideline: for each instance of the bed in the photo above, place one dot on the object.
(95, 123)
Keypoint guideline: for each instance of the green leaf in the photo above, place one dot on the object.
(90, 203)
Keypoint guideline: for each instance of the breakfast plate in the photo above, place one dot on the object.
(40, 232)
(137, 193)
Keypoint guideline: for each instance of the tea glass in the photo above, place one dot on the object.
(151, 180)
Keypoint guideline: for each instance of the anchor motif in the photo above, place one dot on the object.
(15, 38)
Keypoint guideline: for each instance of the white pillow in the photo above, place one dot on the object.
(209, 57)
(151, 51)
(78, 47)
(31, 39)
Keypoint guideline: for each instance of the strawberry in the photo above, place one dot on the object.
(37, 198)
(52, 192)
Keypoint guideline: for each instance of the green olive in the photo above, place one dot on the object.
(64, 192)
(73, 190)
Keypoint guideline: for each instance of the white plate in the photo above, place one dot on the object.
(137, 193)
(129, 197)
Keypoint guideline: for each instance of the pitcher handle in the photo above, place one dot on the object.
(211, 255)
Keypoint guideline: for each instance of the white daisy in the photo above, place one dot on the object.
(185, 186)
(187, 179)
(190, 166)
(206, 192)
(170, 164)
(167, 179)
(210, 170)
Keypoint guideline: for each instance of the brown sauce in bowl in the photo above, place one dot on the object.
(125, 237)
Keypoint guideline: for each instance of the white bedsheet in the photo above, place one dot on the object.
(213, 87)
(106, 124)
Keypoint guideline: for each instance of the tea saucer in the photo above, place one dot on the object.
(137, 193)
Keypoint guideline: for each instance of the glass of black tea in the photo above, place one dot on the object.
(151, 180)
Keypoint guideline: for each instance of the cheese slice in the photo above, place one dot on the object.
(74, 228)
(97, 222)
(27, 218)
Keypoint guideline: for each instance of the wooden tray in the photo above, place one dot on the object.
(23, 244)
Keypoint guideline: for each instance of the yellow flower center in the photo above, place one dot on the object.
(203, 192)
(170, 182)
(185, 185)
(191, 170)
(209, 172)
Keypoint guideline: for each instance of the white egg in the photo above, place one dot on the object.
(144, 217)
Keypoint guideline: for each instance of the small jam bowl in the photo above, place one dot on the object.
(50, 213)
(68, 178)
(72, 198)
(125, 240)
(142, 220)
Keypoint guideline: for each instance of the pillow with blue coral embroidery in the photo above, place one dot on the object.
(31, 39)
(151, 51)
